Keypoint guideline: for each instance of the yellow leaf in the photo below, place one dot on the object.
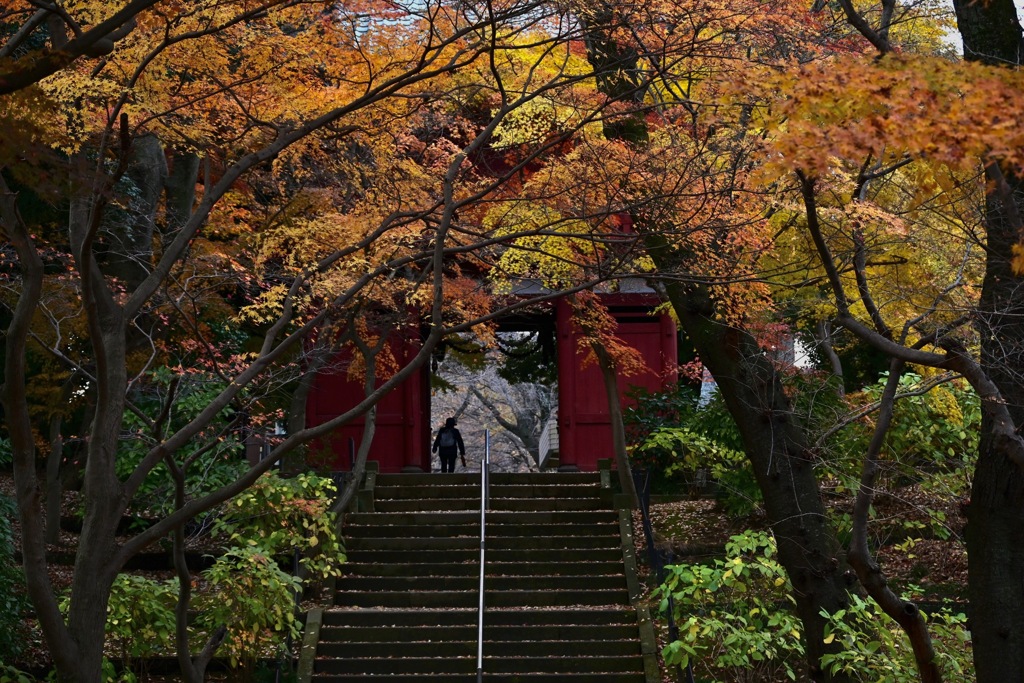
(1018, 259)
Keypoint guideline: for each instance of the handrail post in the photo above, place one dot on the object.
(485, 486)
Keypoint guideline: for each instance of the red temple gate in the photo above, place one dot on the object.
(584, 428)
(403, 433)
(401, 440)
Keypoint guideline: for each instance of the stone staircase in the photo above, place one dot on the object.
(558, 587)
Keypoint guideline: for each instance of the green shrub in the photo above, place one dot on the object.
(935, 432)
(245, 590)
(675, 437)
(140, 617)
(13, 601)
(251, 595)
(10, 674)
(733, 614)
(876, 650)
(736, 624)
(281, 516)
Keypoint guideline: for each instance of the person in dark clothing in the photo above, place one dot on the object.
(449, 443)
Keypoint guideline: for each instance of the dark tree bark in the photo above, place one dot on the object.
(992, 34)
(774, 441)
(611, 389)
(180, 186)
(132, 235)
(783, 464)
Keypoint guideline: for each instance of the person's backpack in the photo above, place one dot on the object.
(447, 438)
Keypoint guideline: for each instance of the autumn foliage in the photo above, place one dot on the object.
(216, 196)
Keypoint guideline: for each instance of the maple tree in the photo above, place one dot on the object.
(213, 216)
(691, 211)
(962, 323)
(807, 114)
(991, 34)
(328, 171)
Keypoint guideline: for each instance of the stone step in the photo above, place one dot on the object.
(442, 645)
(470, 583)
(354, 545)
(493, 633)
(473, 568)
(495, 518)
(458, 555)
(558, 607)
(497, 478)
(498, 491)
(497, 504)
(493, 617)
(566, 663)
(563, 677)
(493, 530)
(466, 599)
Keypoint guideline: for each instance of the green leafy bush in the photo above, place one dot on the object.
(140, 616)
(733, 615)
(736, 623)
(13, 601)
(935, 432)
(281, 516)
(681, 441)
(10, 674)
(876, 650)
(245, 590)
(254, 598)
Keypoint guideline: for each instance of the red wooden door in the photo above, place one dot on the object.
(401, 440)
(584, 428)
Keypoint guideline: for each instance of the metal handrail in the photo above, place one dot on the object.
(485, 498)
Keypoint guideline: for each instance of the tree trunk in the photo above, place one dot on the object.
(295, 461)
(774, 441)
(94, 571)
(995, 516)
(611, 388)
(783, 465)
(95, 567)
(180, 186)
(130, 256)
(991, 33)
(63, 648)
(53, 481)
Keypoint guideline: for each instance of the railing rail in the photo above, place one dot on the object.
(485, 496)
